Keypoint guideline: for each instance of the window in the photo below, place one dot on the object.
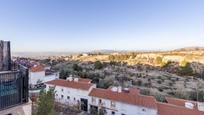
(56, 95)
(100, 101)
(74, 99)
(62, 90)
(144, 110)
(113, 104)
(9, 114)
(68, 97)
(93, 100)
(122, 114)
(112, 113)
(62, 96)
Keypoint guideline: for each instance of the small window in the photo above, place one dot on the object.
(113, 104)
(100, 101)
(62, 90)
(144, 110)
(68, 97)
(122, 114)
(112, 113)
(74, 99)
(93, 100)
(62, 96)
(56, 95)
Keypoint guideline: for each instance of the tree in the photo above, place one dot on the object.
(76, 68)
(102, 111)
(186, 70)
(183, 63)
(159, 60)
(93, 111)
(98, 65)
(46, 103)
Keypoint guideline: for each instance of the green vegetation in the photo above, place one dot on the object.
(98, 65)
(46, 103)
(159, 60)
(93, 111)
(77, 68)
(186, 70)
(102, 111)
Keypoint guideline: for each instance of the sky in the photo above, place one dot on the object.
(87, 25)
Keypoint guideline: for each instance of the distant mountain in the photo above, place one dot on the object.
(190, 49)
(40, 54)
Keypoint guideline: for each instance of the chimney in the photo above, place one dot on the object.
(76, 79)
(69, 78)
(114, 89)
(5, 56)
(119, 89)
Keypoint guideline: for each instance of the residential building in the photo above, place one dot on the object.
(40, 74)
(117, 100)
(73, 91)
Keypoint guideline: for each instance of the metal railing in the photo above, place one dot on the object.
(13, 87)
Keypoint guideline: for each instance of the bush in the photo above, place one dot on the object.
(186, 70)
(159, 60)
(159, 81)
(76, 67)
(98, 65)
(145, 91)
(137, 83)
(160, 98)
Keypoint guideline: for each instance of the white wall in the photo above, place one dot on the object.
(72, 93)
(34, 77)
(123, 108)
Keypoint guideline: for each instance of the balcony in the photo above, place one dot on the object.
(13, 87)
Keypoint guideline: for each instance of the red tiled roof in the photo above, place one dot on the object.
(71, 84)
(131, 97)
(170, 109)
(37, 68)
(85, 80)
(179, 102)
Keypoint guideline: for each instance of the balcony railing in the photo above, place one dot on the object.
(13, 87)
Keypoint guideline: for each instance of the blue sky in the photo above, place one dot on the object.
(86, 25)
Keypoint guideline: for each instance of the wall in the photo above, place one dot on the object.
(34, 77)
(123, 108)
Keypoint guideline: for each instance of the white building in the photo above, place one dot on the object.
(118, 101)
(72, 92)
(37, 74)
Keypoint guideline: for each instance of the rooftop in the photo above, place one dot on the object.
(80, 84)
(37, 68)
(170, 109)
(131, 96)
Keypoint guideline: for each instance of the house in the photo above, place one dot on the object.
(118, 101)
(72, 92)
(179, 107)
(40, 74)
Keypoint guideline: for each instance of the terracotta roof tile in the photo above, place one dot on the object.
(170, 109)
(179, 102)
(85, 80)
(131, 97)
(37, 68)
(71, 84)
